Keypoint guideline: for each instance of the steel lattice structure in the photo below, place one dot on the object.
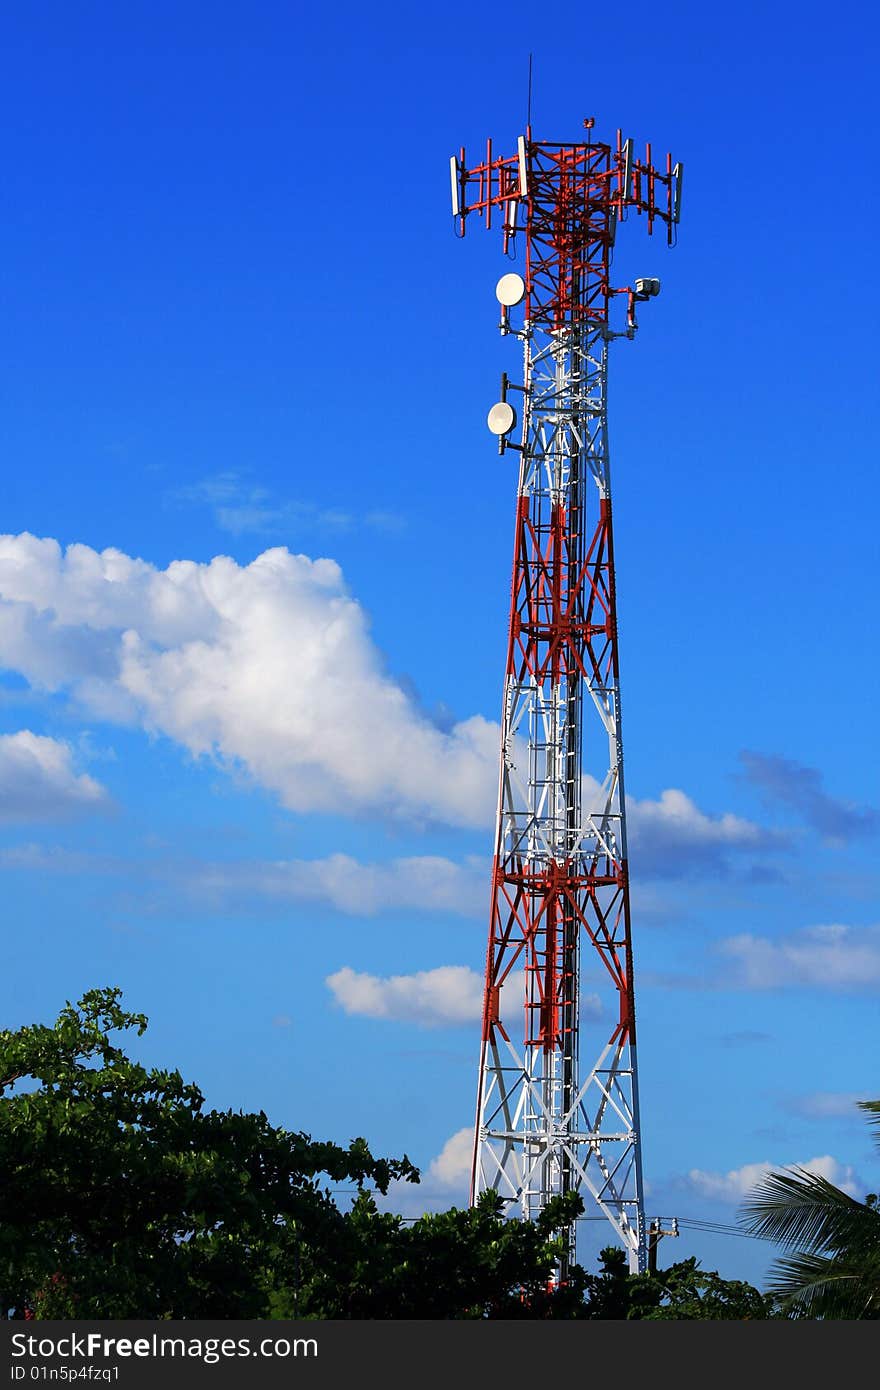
(557, 1106)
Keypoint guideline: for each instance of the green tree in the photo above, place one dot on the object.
(833, 1270)
(123, 1197)
(461, 1263)
(684, 1291)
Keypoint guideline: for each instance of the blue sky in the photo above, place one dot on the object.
(236, 321)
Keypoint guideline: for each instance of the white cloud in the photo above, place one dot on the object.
(445, 1180)
(241, 506)
(449, 994)
(268, 666)
(428, 883)
(451, 1169)
(56, 859)
(38, 780)
(824, 1105)
(672, 836)
(834, 957)
(738, 1183)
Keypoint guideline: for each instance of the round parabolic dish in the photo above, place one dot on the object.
(510, 290)
(501, 418)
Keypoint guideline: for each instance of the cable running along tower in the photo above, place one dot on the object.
(557, 1106)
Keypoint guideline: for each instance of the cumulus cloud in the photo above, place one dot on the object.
(268, 667)
(800, 788)
(445, 1180)
(428, 883)
(732, 1187)
(449, 994)
(451, 1169)
(834, 957)
(671, 837)
(38, 780)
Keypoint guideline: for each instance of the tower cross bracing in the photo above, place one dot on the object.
(558, 1105)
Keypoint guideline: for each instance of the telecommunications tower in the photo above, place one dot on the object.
(557, 1104)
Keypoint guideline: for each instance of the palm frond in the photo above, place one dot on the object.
(834, 1271)
(872, 1110)
(828, 1286)
(801, 1210)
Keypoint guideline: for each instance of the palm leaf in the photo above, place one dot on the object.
(828, 1286)
(800, 1210)
(872, 1109)
(834, 1268)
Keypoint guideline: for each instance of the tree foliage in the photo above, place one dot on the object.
(832, 1269)
(124, 1197)
(684, 1291)
(461, 1263)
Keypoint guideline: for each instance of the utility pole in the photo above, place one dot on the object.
(656, 1232)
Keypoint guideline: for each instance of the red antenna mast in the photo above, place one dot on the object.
(557, 1106)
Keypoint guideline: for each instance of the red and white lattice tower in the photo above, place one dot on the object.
(557, 1106)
